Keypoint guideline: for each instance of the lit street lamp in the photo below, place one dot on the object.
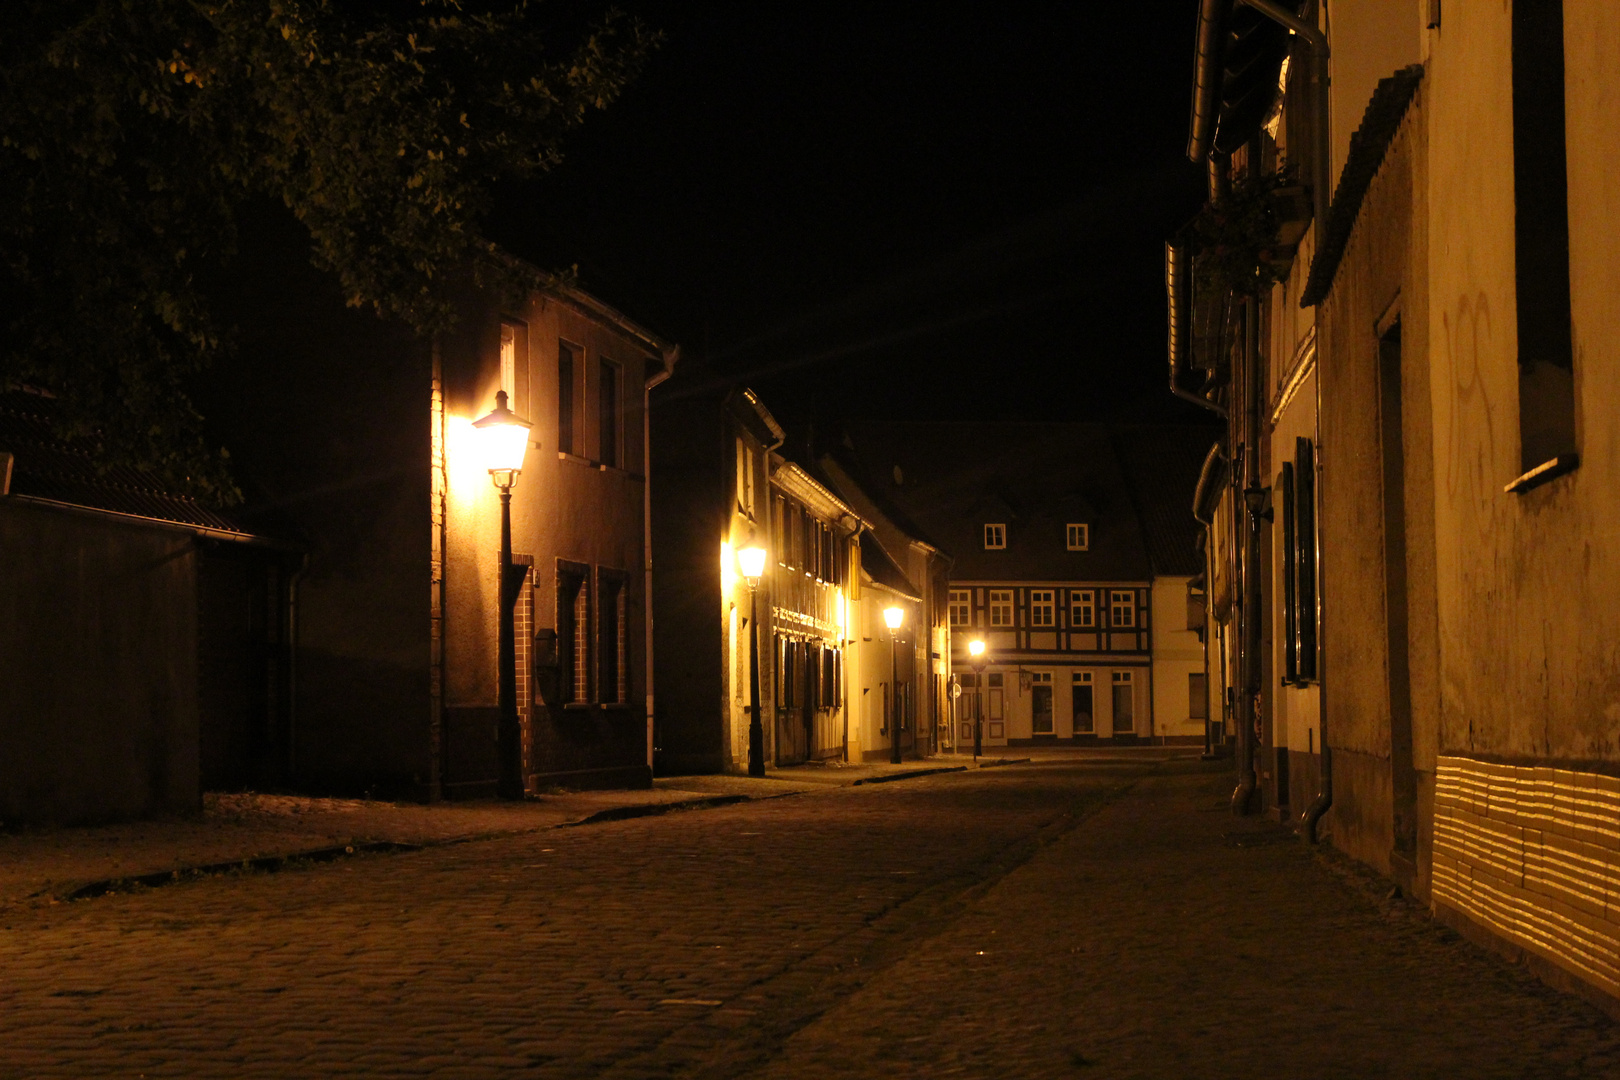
(976, 650)
(504, 438)
(751, 561)
(893, 617)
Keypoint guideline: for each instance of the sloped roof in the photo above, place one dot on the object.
(1368, 145)
(49, 469)
(877, 564)
(1162, 463)
(946, 475)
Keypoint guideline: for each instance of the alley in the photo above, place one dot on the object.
(1101, 916)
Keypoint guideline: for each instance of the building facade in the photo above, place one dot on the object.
(1053, 569)
(1420, 455)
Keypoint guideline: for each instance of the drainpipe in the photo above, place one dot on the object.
(1324, 798)
(670, 356)
(1247, 507)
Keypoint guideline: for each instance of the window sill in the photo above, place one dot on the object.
(1547, 470)
(578, 706)
(564, 455)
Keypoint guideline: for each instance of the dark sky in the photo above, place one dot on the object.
(892, 209)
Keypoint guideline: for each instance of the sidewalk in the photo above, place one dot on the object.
(264, 831)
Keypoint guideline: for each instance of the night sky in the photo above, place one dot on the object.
(884, 210)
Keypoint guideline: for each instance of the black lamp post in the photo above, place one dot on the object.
(976, 650)
(505, 439)
(894, 616)
(752, 562)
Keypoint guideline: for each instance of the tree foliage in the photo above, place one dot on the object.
(1234, 240)
(134, 132)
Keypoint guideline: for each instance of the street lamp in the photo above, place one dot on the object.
(893, 617)
(976, 650)
(503, 437)
(751, 561)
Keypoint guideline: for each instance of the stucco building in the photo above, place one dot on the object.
(1420, 453)
(1070, 557)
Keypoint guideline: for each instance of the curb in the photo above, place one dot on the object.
(271, 864)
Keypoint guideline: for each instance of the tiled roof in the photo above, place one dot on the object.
(1369, 144)
(1036, 478)
(877, 565)
(46, 467)
(1162, 463)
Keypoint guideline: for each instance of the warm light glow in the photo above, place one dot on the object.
(893, 617)
(975, 648)
(503, 437)
(752, 561)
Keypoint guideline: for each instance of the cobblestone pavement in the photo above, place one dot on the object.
(1051, 919)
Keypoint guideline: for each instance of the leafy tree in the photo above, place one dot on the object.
(133, 133)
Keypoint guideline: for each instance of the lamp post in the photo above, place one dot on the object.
(751, 560)
(976, 650)
(893, 617)
(504, 437)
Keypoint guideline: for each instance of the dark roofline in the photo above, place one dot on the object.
(1371, 141)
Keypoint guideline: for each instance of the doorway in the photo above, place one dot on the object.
(1403, 776)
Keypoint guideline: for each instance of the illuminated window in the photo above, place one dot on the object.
(1082, 609)
(961, 609)
(1042, 607)
(995, 537)
(1079, 536)
(515, 365)
(745, 478)
(1122, 609)
(1001, 607)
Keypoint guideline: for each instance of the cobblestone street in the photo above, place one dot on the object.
(1093, 917)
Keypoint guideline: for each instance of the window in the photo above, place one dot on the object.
(961, 608)
(779, 522)
(1299, 564)
(573, 632)
(1079, 536)
(607, 389)
(995, 537)
(1197, 697)
(745, 478)
(568, 372)
(1001, 607)
(1042, 607)
(1041, 702)
(1124, 703)
(1082, 609)
(515, 365)
(1122, 609)
(610, 642)
(1541, 245)
(1083, 724)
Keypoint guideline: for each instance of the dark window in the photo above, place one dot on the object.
(1290, 575)
(1197, 697)
(608, 389)
(567, 372)
(1082, 707)
(1305, 558)
(1541, 238)
(573, 633)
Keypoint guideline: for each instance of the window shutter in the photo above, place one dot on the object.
(1305, 545)
(1290, 576)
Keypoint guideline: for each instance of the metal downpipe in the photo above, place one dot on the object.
(1246, 511)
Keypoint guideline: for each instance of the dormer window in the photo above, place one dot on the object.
(995, 537)
(1079, 536)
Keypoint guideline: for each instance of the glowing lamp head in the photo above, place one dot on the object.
(893, 617)
(503, 437)
(975, 649)
(751, 561)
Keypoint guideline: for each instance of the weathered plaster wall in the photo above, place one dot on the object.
(1177, 654)
(98, 668)
(1526, 583)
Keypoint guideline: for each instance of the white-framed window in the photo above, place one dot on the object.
(1124, 702)
(1082, 609)
(1079, 536)
(1082, 706)
(1122, 608)
(1042, 607)
(995, 536)
(961, 609)
(1001, 607)
(1040, 690)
